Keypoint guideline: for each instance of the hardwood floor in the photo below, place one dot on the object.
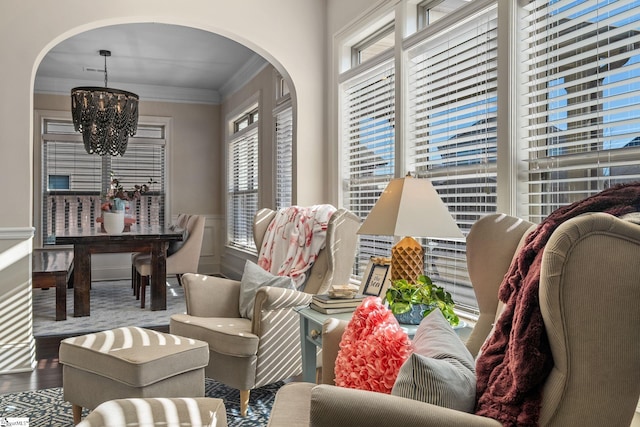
(48, 371)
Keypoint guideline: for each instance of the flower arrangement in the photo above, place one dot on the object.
(372, 349)
(403, 297)
(117, 195)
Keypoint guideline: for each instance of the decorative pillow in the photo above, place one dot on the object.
(176, 245)
(372, 349)
(255, 277)
(441, 370)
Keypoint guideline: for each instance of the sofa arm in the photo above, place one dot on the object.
(270, 299)
(208, 296)
(333, 406)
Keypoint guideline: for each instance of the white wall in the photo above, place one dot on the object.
(288, 33)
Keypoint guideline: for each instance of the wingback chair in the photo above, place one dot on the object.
(184, 260)
(589, 297)
(247, 354)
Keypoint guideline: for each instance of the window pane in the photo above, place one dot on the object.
(373, 45)
(431, 11)
(583, 100)
(242, 190)
(73, 182)
(368, 150)
(284, 158)
(143, 163)
(452, 134)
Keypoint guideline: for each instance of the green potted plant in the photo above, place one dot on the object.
(411, 302)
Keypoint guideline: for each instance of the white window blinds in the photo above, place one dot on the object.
(242, 190)
(284, 157)
(452, 133)
(582, 106)
(368, 102)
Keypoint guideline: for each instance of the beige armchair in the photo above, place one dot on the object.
(184, 260)
(589, 297)
(247, 354)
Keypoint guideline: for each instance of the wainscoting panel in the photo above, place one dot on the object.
(17, 346)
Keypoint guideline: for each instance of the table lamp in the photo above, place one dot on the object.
(409, 207)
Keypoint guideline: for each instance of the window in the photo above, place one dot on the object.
(245, 120)
(368, 149)
(284, 156)
(282, 89)
(373, 45)
(242, 181)
(452, 134)
(430, 11)
(577, 123)
(583, 100)
(74, 181)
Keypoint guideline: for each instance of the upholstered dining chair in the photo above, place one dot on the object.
(589, 295)
(250, 353)
(181, 222)
(185, 259)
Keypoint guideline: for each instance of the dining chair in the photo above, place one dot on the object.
(181, 222)
(185, 259)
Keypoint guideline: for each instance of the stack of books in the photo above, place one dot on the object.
(327, 305)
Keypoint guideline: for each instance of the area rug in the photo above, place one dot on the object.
(113, 305)
(47, 407)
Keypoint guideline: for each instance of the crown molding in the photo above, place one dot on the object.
(60, 86)
(248, 71)
(63, 86)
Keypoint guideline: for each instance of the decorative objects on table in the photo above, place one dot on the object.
(113, 222)
(375, 279)
(328, 305)
(343, 291)
(411, 302)
(409, 207)
(118, 199)
(106, 117)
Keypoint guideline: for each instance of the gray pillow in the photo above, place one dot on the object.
(253, 278)
(441, 371)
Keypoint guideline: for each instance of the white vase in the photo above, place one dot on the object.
(113, 222)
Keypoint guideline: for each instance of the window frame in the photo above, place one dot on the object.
(42, 116)
(249, 110)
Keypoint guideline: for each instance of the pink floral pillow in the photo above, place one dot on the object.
(372, 349)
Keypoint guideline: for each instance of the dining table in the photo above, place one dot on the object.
(92, 240)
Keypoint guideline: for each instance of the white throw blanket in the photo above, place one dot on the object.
(293, 240)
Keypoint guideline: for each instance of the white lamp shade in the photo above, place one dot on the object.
(410, 207)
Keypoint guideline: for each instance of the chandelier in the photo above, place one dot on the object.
(106, 117)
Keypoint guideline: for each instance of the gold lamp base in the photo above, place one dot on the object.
(407, 260)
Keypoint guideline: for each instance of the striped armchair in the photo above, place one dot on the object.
(250, 353)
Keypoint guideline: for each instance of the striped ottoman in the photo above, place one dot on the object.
(130, 362)
(158, 411)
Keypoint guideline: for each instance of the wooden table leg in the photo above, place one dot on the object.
(158, 276)
(61, 296)
(81, 280)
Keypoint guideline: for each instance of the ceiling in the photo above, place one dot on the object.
(156, 61)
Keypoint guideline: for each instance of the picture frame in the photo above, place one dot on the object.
(375, 280)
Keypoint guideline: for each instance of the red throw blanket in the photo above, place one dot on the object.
(516, 360)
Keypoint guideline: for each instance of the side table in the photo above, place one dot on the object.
(311, 337)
